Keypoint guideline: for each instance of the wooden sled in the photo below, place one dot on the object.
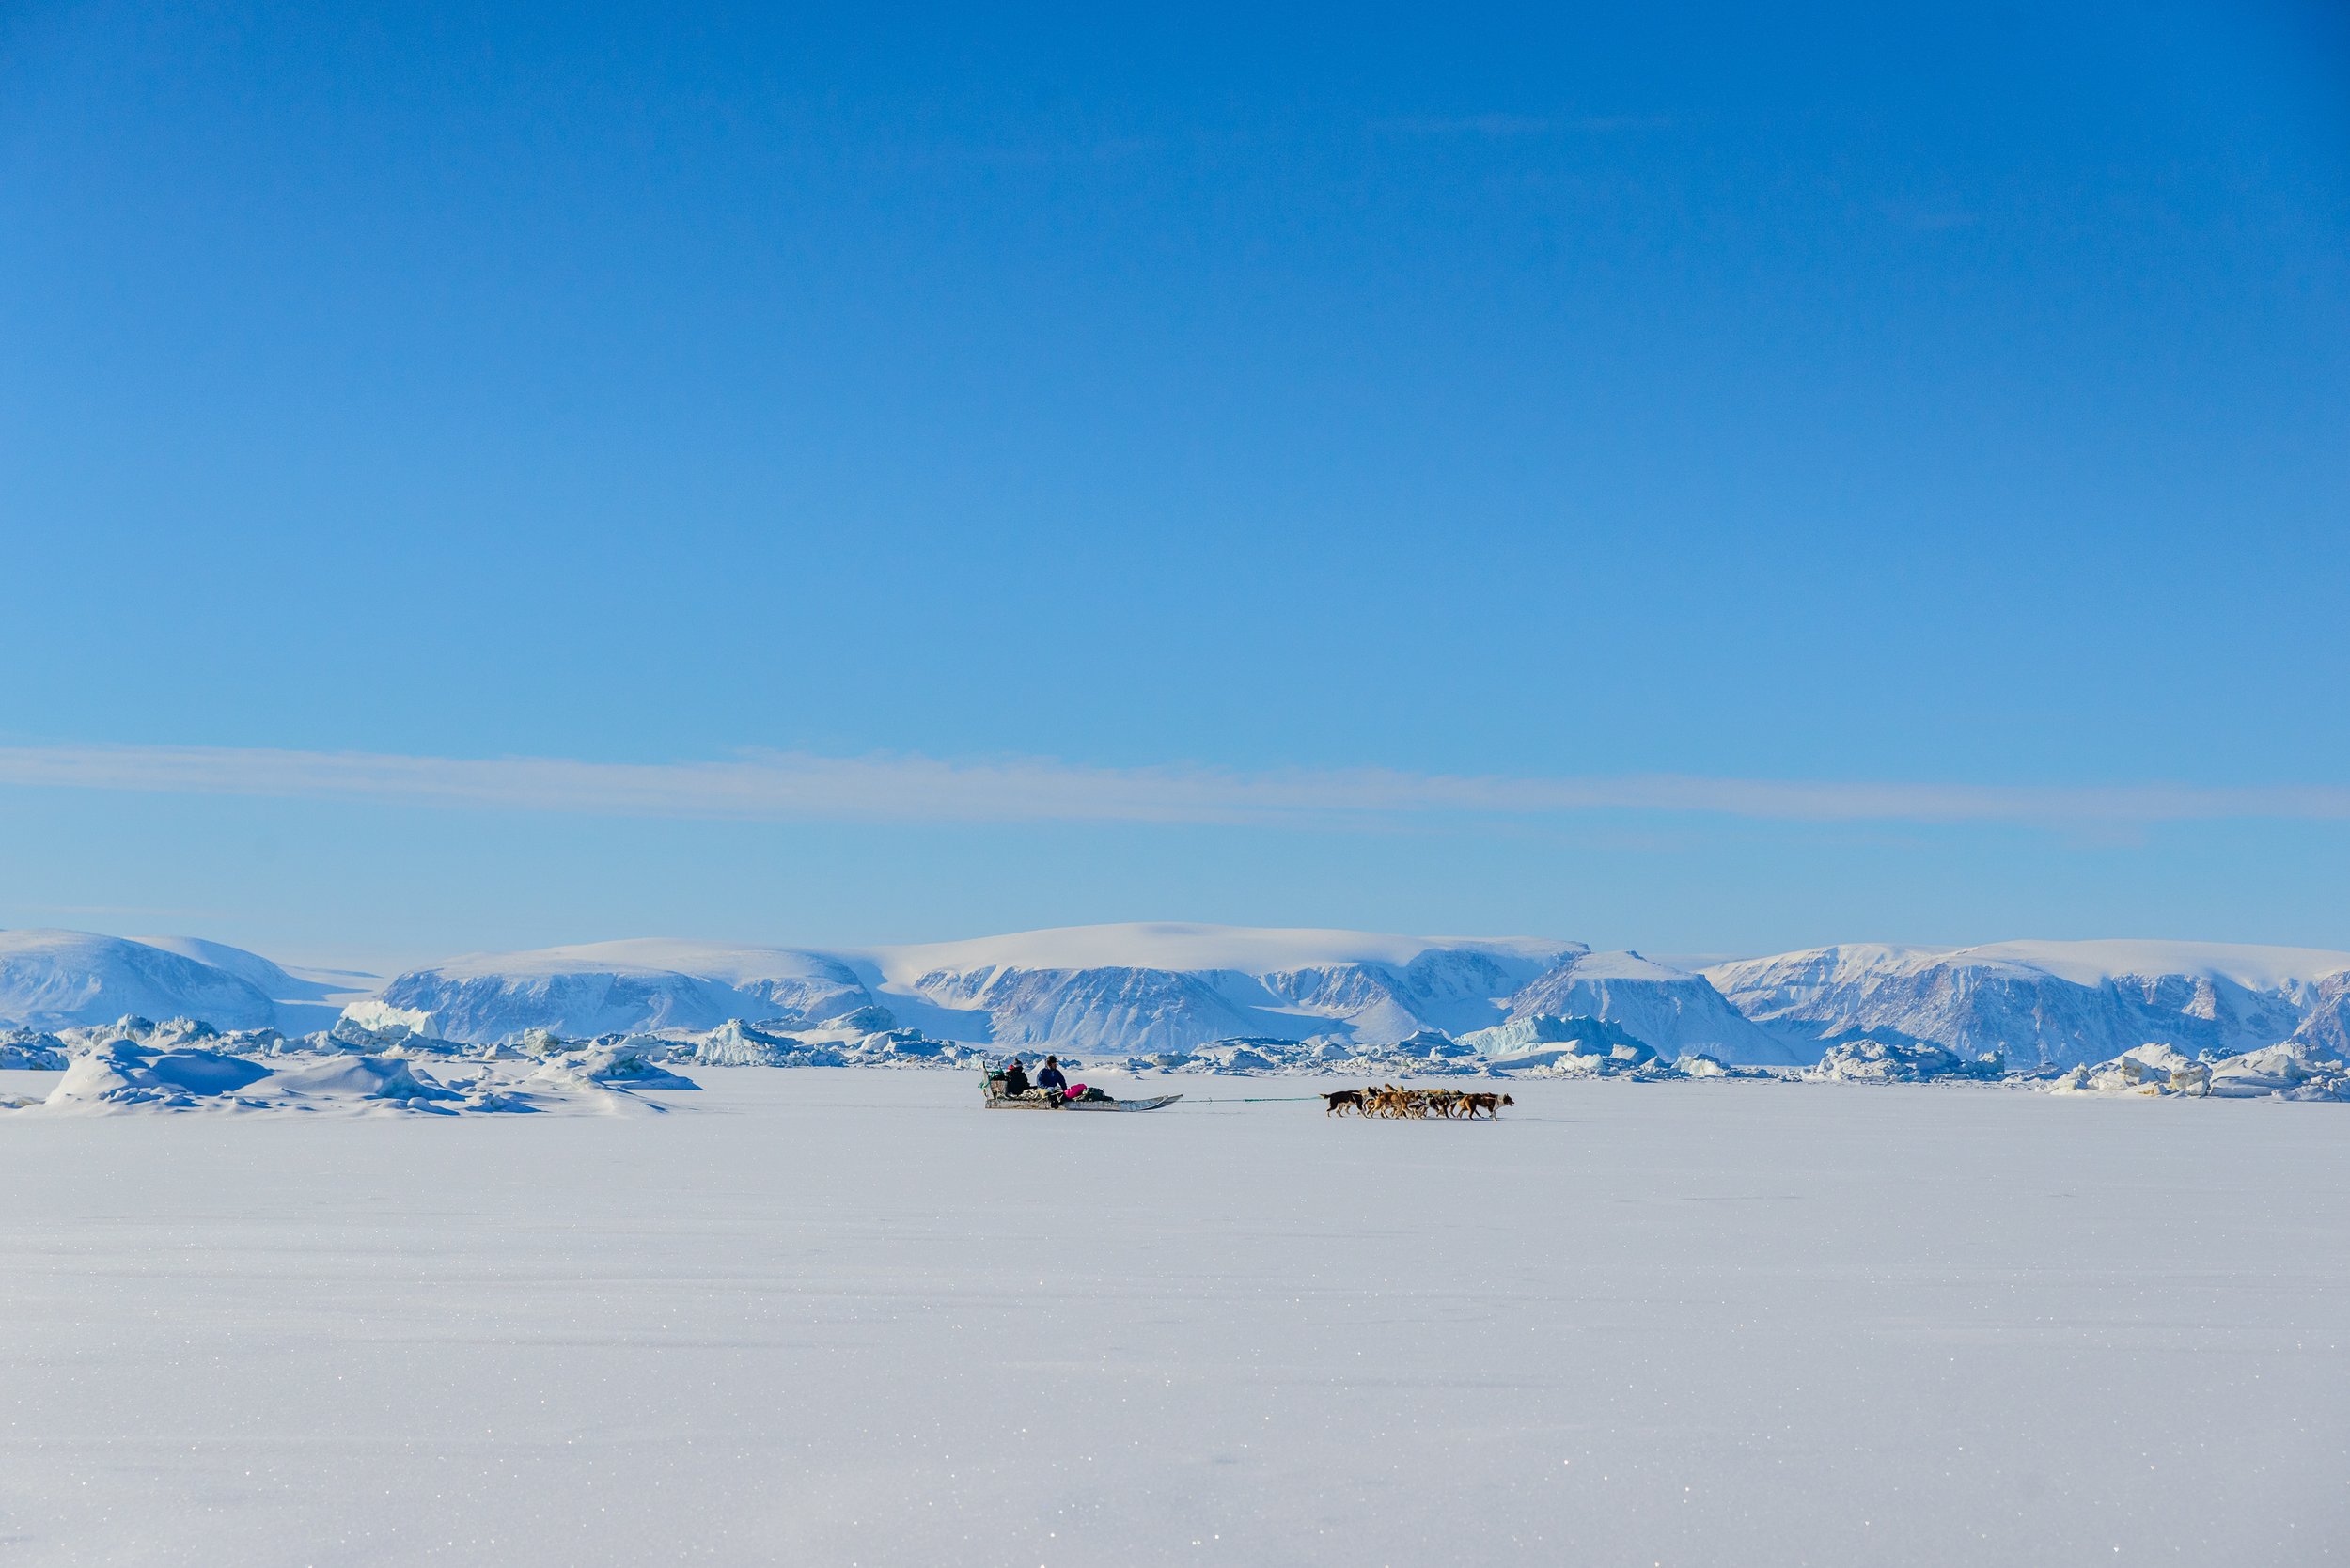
(992, 1088)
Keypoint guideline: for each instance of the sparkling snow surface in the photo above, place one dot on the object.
(848, 1317)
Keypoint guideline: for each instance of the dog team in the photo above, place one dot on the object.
(1388, 1100)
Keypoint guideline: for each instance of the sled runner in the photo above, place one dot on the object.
(1037, 1099)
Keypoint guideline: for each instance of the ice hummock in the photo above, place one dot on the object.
(1894, 1061)
(31, 1050)
(2293, 1069)
(128, 1076)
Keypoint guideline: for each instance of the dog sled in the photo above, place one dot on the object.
(992, 1085)
(1423, 1103)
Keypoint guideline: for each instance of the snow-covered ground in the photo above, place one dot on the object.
(847, 1317)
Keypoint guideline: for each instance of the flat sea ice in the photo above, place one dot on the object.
(821, 1317)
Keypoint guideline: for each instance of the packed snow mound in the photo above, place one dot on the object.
(58, 979)
(627, 1061)
(1890, 1061)
(2049, 1004)
(127, 1074)
(124, 1076)
(355, 1077)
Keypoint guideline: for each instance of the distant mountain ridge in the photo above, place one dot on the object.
(1127, 988)
(1151, 988)
(62, 979)
(2054, 1004)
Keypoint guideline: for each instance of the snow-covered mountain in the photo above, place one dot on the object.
(1146, 989)
(1122, 988)
(1670, 1009)
(617, 987)
(1172, 987)
(58, 979)
(2327, 1025)
(2054, 1004)
(303, 999)
(1128, 988)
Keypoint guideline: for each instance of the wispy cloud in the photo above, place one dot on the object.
(792, 786)
(1468, 125)
(1501, 125)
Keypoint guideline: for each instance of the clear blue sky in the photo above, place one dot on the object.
(1914, 396)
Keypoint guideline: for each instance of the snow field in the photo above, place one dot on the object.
(847, 1317)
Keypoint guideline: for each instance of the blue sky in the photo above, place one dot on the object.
(1686, 481)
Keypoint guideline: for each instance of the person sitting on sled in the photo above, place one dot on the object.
(1015, 1078)
(1049, 1077)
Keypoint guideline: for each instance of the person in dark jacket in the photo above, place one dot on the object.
(1015, 1078)
(1050, 1078)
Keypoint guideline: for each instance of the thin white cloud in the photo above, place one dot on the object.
(792, 786)
(1472, 125)
(1504, 125)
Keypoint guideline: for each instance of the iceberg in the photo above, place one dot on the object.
(1893, 1061)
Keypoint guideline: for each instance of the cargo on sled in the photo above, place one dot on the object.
(1081, 1098)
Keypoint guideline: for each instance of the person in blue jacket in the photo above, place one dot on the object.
(1049, 1078)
